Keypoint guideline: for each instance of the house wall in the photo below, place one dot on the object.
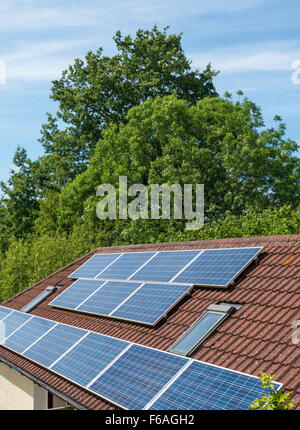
(16, 391)
(40, 398)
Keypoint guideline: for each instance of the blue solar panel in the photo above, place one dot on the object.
(28, 334)
(151, 302)
(76, 293)
(4, 312)
(55, 343)
(84, 362)
(94, 266)
(165, 265)
(135, 379)
(108, 297)
(126, 265)
(217, 267)
(203, 386)
(138, 375)
(11, 323)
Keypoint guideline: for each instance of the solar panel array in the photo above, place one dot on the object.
(209, 267)
(144, 286)
(129, 375)
(217, 266)
(138, 302)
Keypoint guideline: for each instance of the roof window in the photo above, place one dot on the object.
(213, 316)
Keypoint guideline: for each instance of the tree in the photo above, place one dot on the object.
(100, 90)
(91, 94)
(21, 194)
(217, 142)
(275, 400)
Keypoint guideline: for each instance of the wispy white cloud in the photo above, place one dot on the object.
(42, 60)
(32, 15)
(272, 56)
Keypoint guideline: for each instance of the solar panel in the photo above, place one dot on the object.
(137, 376)
(4, 312)
(217, 267)
(151, 302)
(126, 265)
(55, 343)
(11, 323)
(129, 375)
(94, 266)
(76, 293)
(204, 386)
(28, 333)
(91, 355)
(164, 266)
(105, 300)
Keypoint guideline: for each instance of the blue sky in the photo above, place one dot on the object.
(252, 42)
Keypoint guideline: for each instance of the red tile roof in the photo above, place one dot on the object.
(257, 337)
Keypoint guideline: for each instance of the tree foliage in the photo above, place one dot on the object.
(216, 142)
(99, 90)
(275, 400)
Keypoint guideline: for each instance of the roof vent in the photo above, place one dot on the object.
(31, 305)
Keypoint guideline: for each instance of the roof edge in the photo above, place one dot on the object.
(43, 384)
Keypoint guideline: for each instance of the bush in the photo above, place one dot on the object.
(275, 400)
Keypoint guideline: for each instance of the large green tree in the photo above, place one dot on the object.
(91, 94)
(217, 142)
(99, 90)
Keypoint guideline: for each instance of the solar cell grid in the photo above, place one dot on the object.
(28, 333)
(138, 375)
(51, 346)
(4, 312)
(94, 266)
(76, 293)
(164, 266)
(151, 302)
(84, 362)
(126, 265)
(217, 267)
(105, 300)
(11, 323)
(204, 386)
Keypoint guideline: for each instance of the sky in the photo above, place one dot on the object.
(255, 44)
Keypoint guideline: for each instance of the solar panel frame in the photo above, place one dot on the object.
(74, 276)
(232, 279)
